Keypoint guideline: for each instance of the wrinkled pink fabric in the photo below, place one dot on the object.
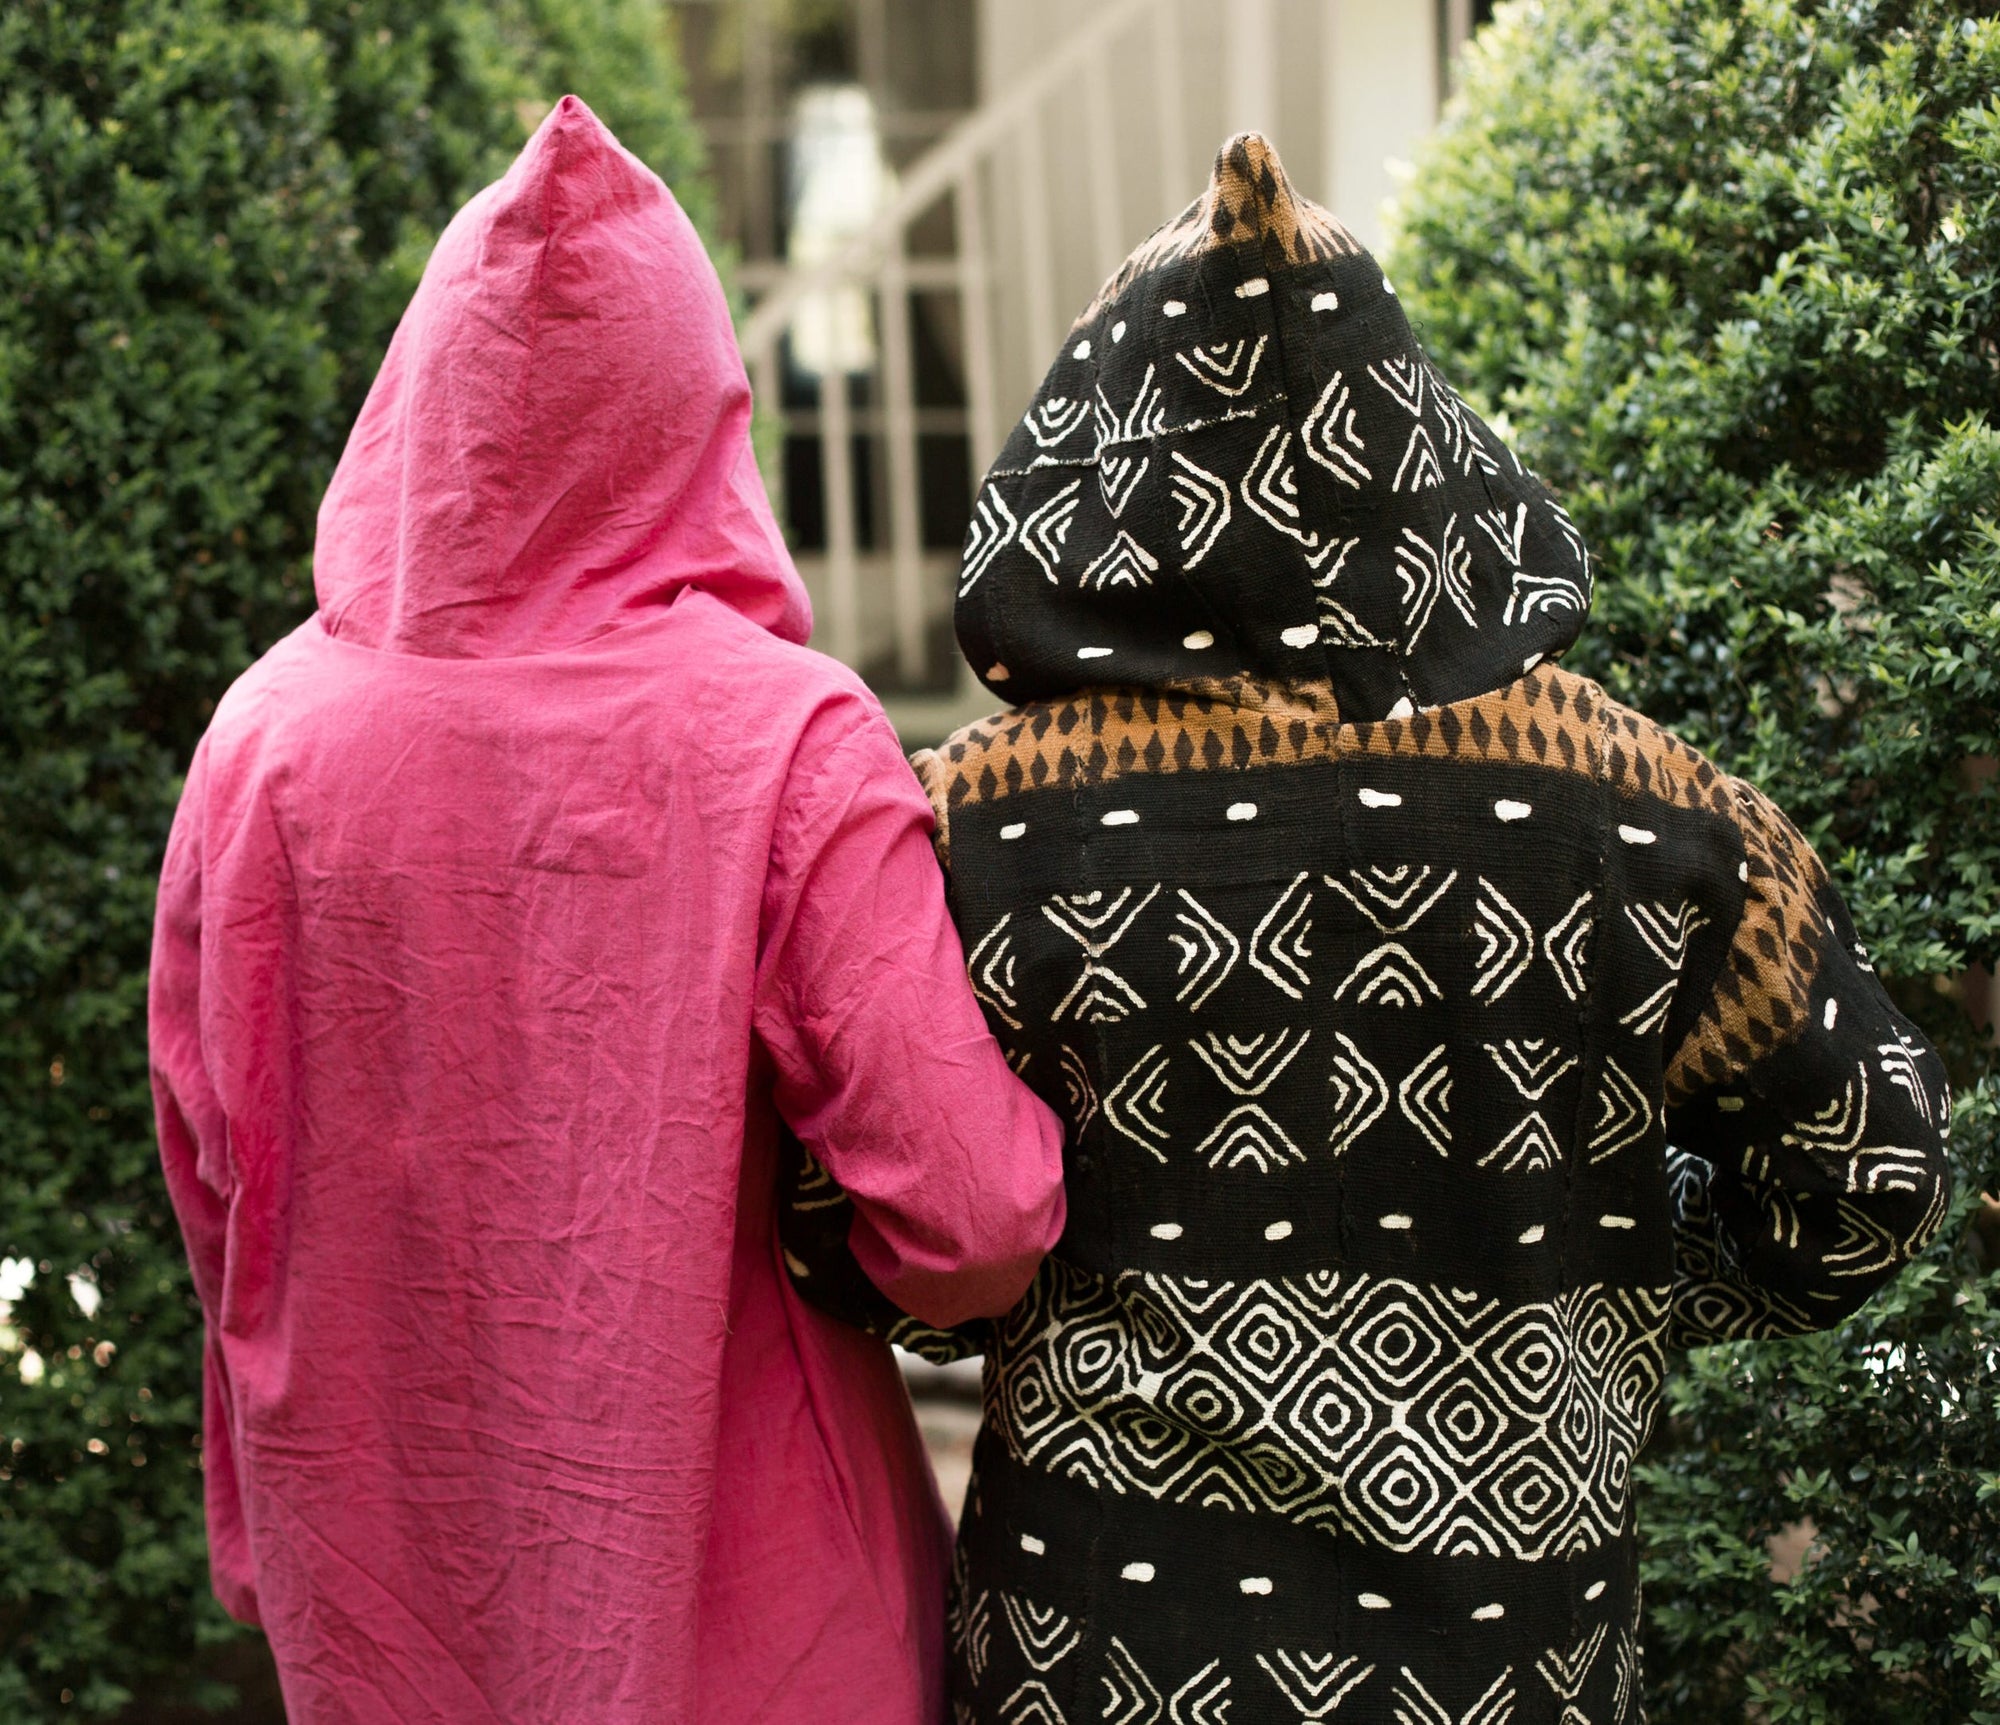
(509, 903)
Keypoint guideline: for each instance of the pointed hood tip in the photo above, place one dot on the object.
(570, 132)
(1252, 144)
(1249, 201)
(1251, 197)
(573, 169)
(572, 116)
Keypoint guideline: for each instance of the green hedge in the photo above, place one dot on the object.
(1731, 268)
(210, 216)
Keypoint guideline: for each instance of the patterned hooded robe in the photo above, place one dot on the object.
(1438, 1039)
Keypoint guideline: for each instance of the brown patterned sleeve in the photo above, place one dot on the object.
(934, 774)
(1808, 1116)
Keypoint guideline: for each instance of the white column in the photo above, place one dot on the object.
(1170, 109)
(1330, 49)
(1038, 259)
(1106, 207)
(1382, 101)
(1252, 69)
(975, 290)
(982, 370)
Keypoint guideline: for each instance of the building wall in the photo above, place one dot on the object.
(1344, 88)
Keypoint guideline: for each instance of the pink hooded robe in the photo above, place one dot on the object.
(510, 902)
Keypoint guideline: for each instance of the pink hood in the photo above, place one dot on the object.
(475, 515)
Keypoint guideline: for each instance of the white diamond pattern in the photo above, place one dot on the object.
(1417, 1418)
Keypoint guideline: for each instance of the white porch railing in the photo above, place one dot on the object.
(1006, 131)
(886, 603)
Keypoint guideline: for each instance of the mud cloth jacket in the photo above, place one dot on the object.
(1438, 1039)
(511, 901)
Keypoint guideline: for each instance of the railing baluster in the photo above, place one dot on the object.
(836, 469)
(1037, 251)
(900, 434)
(1170, 110)
(982, 389)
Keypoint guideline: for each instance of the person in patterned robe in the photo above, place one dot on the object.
(1439, 1041)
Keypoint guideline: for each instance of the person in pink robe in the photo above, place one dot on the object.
(512, 901)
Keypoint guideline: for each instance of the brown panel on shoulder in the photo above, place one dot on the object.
(1764, 991)
(1103, 734)
(935, 777)
(1549, 718)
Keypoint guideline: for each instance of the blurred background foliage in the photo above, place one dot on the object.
(211, 215)
(1730, 271)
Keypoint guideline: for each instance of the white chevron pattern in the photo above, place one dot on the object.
(1567, 947)
(1045, 1637)
(1118, 478)
(1137, 1104)
(1531, 1148)
(1428, 570)
(1250, 1066)
(1314, 1683)
(1360, 1094)
(1394, 899)
(1506, 943)
(1625, 1112)
(991, 968)
(1247, 1136)
(1227, 368)
(1271, 489)
(1531, 1064)
(1208, 951)
(992, 531)
(1046, 532)
(1278, 949)
(1330, 437)
(1134, 1699)
(1200, 1700)
(1567, 1673)
(1424, 1096)
(1078, 1090)
(1389, 976)
(1122, 563)
(1055, 420)
(1416, 1705)
(1203, 500)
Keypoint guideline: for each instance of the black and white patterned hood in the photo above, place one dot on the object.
(1243, 462)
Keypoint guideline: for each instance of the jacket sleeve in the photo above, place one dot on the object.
(1808, 1117)
(885, 1069)
(815, 1220)
(193, 1133)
